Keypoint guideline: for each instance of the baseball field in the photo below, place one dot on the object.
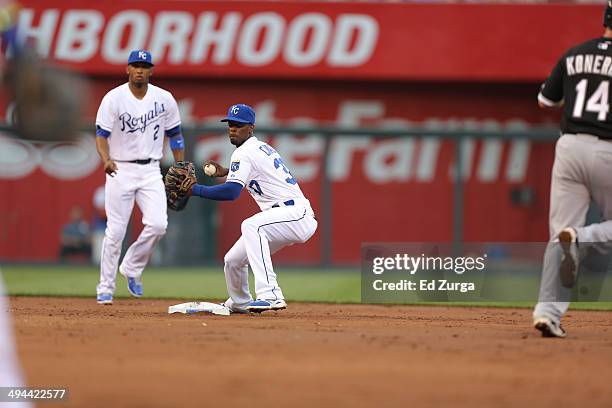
(325, 349)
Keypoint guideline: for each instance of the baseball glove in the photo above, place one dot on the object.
(178, 182)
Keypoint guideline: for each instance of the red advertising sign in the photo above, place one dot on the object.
(328, 40)
(392, 189)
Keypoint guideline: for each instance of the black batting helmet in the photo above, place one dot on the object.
(607, 21)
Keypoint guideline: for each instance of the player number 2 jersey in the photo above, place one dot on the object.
(258, 167)
(581, 80)
(137, 126)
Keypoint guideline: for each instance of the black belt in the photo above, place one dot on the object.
(287, 204)
(141, 161)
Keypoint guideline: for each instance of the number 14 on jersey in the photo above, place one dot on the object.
(597, 103)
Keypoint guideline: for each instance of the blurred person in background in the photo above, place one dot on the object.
(76, 236)
(10, 371)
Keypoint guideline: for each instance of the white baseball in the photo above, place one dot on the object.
(210, 169)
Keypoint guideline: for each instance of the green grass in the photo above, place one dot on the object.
(305, 285)
(341, 286)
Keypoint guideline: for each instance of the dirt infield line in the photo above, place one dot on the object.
(133, 354)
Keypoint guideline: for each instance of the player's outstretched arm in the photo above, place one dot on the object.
(228, 191)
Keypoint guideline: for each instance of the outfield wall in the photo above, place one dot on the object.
(311, 40)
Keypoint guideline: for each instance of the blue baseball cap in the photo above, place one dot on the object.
(140, 56)
(240, 113)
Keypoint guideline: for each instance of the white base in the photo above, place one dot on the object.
(197, 307)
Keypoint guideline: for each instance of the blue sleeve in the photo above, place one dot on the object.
(177, 143)
(227, 191)
(176, 138)
(102, 132)
(174, 131)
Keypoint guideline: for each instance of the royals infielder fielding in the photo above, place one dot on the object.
(130, 127)
(583, 164)
(286, 216)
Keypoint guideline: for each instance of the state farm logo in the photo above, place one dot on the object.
(217, 38)
(64, 161)
(427, 160)
(383, 160)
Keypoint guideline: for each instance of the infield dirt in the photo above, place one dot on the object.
(133, 354)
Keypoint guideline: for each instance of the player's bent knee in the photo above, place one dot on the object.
(157, 228)
(311, 230)
(232, 262)
(227, 259)
(115, 233)
(248, 226)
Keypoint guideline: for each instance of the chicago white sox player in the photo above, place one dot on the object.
(130, 127)
(579, 83)
(286, 216)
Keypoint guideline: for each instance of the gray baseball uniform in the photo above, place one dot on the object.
(583, 160)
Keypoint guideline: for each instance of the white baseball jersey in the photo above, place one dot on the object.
(137, 126)
(258, 167)
(261, 169)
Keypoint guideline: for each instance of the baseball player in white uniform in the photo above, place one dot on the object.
(130, 127)
(286, 216)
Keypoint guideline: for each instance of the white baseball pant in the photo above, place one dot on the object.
(263, 234)
(581, 171)
(143, 183)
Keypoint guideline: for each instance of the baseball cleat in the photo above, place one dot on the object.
(135, 286)
(235, 310)
(258, 306)
(105, 298)
(548, 327)
(569, 262)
